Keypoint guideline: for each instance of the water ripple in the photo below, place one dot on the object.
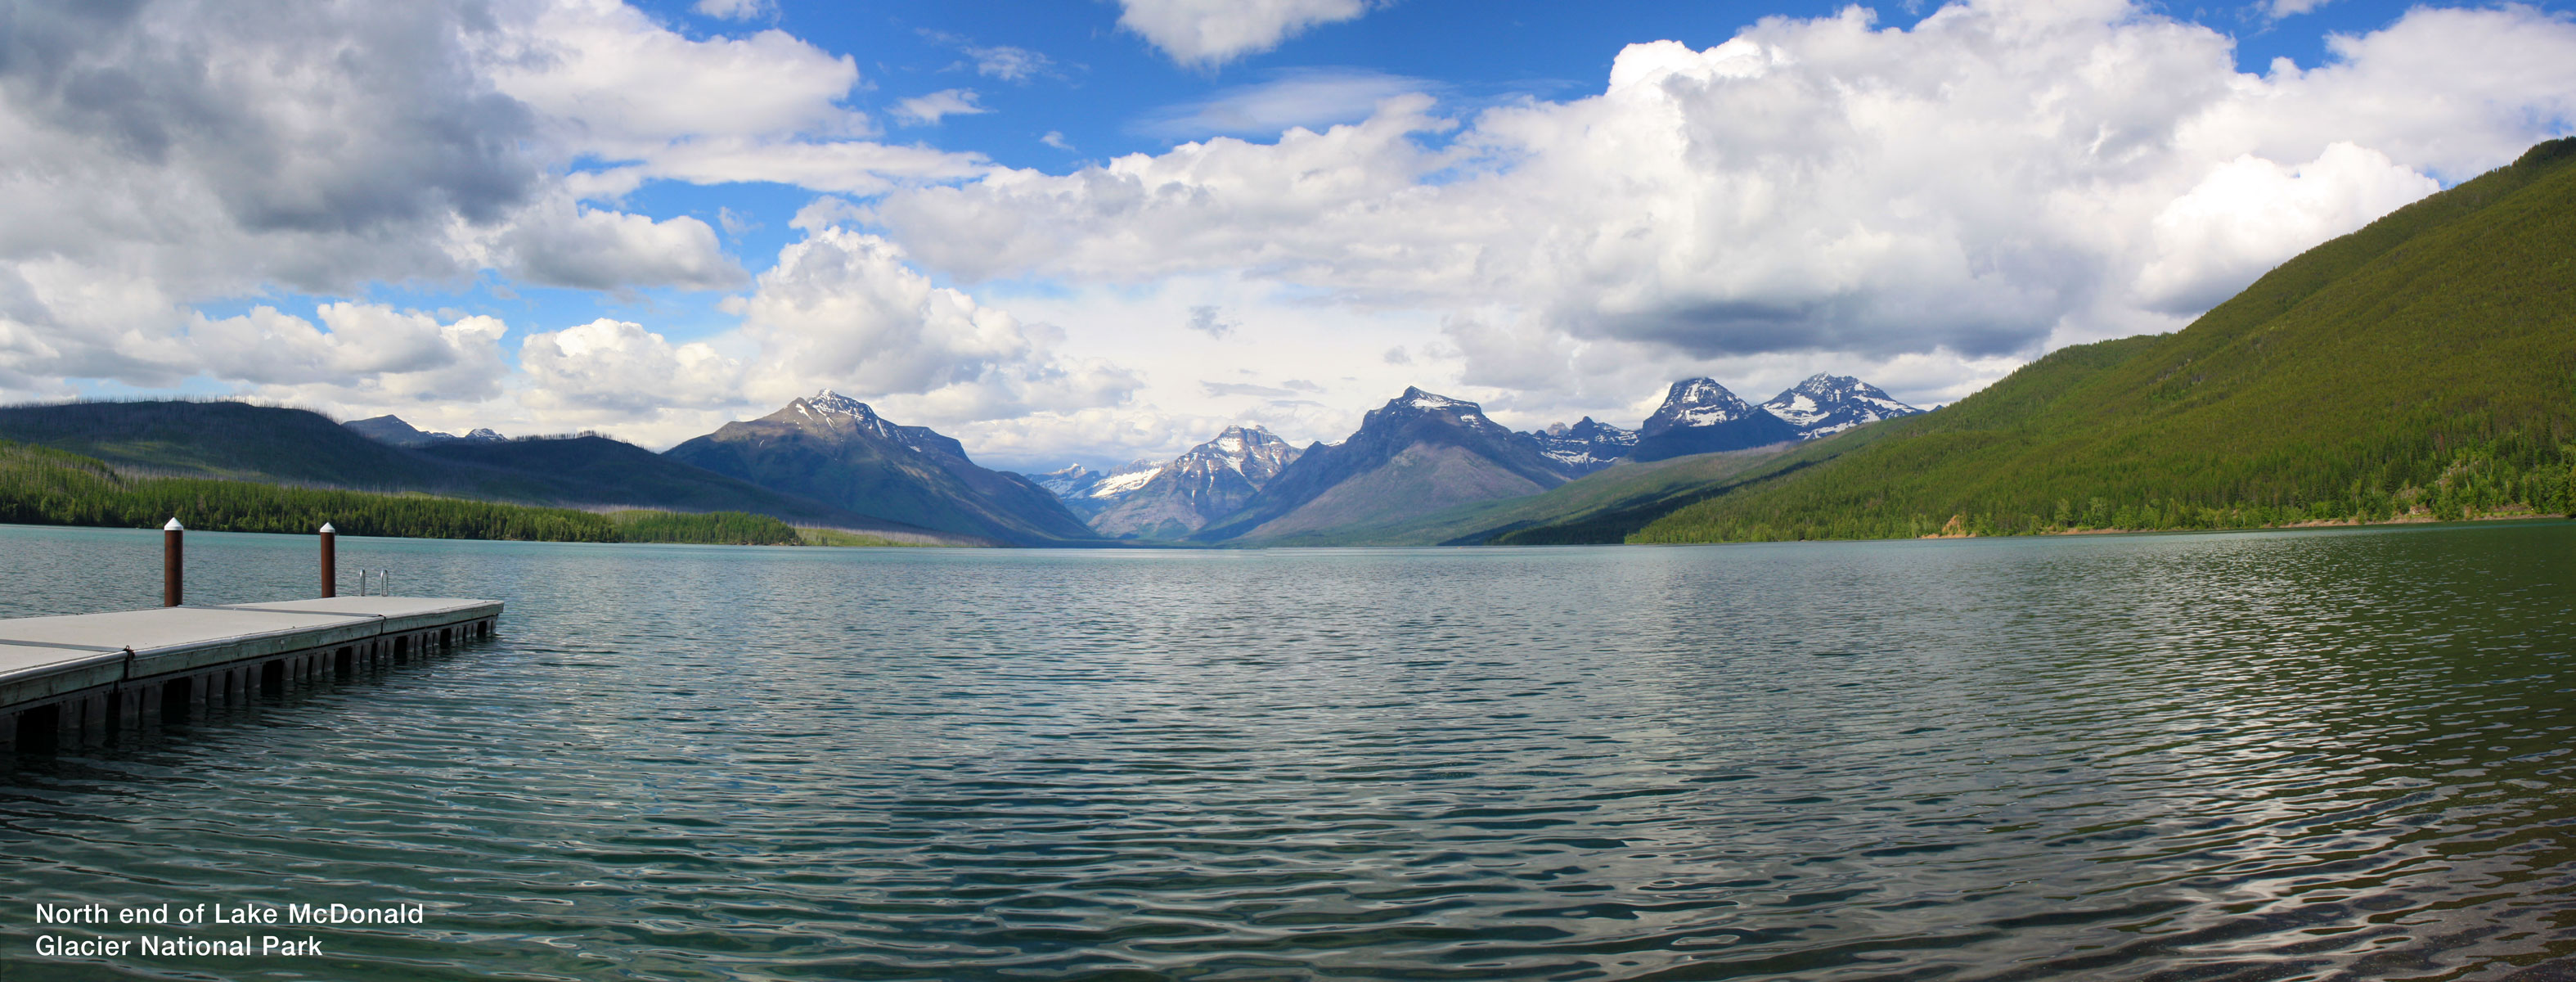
(2334, 755)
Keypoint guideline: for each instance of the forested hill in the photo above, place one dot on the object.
(42, 486)
(2424, 365)
(273, 445)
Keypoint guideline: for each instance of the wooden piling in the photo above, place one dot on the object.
(171, 549)
(330, 562)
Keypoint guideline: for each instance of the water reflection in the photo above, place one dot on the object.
(2202, 756)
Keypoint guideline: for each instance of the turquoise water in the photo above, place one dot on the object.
(2316, 755)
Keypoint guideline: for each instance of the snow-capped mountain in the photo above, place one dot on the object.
(1210, 482)
(1583, 447)
(1069, 483)
(837, 450)
(1701, 416)
(1417, 454)
(1087, 492)
(1696, 402)
(1827, 404)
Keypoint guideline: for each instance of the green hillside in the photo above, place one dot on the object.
(42, 486)
(2422, 366)
(236, 441)
(271, 445)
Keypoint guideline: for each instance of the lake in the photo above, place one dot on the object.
(2286, 755)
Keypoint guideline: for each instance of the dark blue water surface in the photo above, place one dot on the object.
(2315, 755)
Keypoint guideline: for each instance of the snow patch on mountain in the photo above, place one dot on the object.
(1584, 447)
(1694, 402)
(1824, 405)
(1116, 484)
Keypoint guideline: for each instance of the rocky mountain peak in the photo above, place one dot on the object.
(1828, 404)
(1584, 447)
(1416, 404)
(828, 402)
(1235, 444)
(1696, 402)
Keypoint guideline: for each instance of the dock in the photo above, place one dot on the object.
(74, 678)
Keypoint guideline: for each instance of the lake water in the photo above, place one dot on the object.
(2312, 755)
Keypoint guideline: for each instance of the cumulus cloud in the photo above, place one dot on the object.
(608, 84)
(154, 156)
(565, 244)
(845, 310)
(366, 354)
(927, 110)
(621, 367)
(1212, 32)
(2249, 212)
(1999, 178)
(218, 148)
(158, 156)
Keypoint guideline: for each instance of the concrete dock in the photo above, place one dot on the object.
(77, 677)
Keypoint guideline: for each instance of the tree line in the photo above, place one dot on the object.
(43, 486)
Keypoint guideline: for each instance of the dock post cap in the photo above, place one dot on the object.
(173, 526)
(326, 528)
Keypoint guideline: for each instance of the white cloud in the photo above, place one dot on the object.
(845, 310)
(561, 243)
(926, 110)
(1213, 32)
(608, 84)
(250, 148)
(1056, 139)
(2000, 178)
(362, 354)
(617, 84)
(1008, 63)
(2249, 212)
(621, 367)
(735, 9)
(1312, 98)
(2278, 9)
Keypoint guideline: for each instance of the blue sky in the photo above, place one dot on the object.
(1102, 230)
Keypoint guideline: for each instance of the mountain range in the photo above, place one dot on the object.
(1419, 452)
(830, 461)
(836, 450)
(1214, 480)
(293, 447)
(2417, 367)
(1423, 452)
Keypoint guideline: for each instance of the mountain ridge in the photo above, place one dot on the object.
(837, 450)
(1207, 483)
(1700, 416)
(296, 448)
(1419, 452)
